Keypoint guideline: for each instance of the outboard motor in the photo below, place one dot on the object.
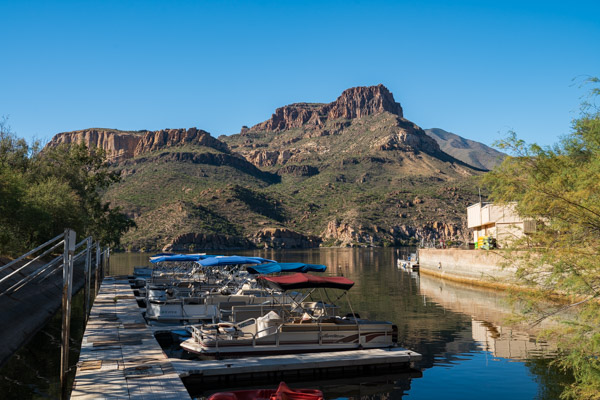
(394, 333)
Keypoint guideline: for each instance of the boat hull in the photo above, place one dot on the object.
(179, 311)
(295, 338)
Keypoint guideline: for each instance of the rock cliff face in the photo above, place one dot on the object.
(152, 141)
(121, 145)
(361, 120)
(407, 136)
(346, 235)
(283, 238)
(353, 103)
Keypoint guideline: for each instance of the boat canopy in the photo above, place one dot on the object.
(305, 281)
(285, 267)
(214, 261)
(178, 257)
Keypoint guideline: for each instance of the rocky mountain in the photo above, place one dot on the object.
(362, 119)
(471, 152)
(123, 145)
(350, 172)
(353, 103)
(357, 171)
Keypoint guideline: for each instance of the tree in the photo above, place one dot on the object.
(559, 187)
(87, 173)
(44, 192)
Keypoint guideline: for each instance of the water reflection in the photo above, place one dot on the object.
(381, 386)
(459, 330)
(489, 311)
(34, 371)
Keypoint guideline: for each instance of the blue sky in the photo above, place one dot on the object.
(475, 68)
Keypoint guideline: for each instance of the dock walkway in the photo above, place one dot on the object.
(120, 358)
(313, 365)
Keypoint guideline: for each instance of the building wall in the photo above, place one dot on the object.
(507, 233)
(501, 222)
(474, 215)
(467, 265)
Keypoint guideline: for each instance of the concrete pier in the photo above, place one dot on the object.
(489, 268)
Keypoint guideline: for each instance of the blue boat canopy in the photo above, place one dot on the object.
(178, 257)
(214, 261)
(285, 267)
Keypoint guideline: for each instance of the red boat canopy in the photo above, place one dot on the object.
(305, 281)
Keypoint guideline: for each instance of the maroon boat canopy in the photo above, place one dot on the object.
(305, 281)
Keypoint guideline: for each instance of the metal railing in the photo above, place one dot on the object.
(65, 262)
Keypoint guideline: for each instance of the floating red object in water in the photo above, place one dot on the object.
(283, 392)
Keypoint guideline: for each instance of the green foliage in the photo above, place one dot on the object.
(559, 188)
(45, 192)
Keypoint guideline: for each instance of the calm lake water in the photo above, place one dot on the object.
(468, 352)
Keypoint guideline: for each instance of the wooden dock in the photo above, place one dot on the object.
(121, 359)
(296, 366)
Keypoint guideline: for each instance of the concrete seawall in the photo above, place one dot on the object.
(480, 267)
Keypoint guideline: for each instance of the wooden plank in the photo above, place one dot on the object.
(120, 358)
(296, 362)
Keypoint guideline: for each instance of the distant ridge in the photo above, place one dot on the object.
(122, 145)
(469, 151)
(353, 172)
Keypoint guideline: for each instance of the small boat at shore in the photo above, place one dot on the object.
(411, 263)
(301, 327)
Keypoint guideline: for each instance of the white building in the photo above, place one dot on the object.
(500, 222)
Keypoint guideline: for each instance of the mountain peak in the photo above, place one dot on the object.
(360, 101)
(356, 102)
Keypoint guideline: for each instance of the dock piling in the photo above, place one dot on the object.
(88, 278)
(97, 278)
(69, 251)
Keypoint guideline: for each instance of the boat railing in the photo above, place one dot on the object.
(200, 333)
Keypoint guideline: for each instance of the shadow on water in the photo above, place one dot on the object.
(34, 371)
(376, 385)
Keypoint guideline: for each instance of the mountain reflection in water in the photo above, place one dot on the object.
(468, 350)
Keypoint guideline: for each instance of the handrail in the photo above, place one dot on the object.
(41, 273)
(38, 272)
(31, 252)
(35, 274)
(30, 262)
(254, 335)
